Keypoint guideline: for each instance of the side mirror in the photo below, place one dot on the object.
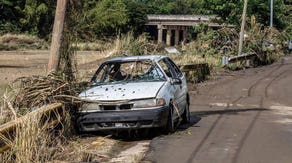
(175, 81)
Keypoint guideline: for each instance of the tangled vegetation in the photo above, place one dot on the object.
(21, 42)
(38, 137)
(36, 140)
(267, 43)
(30, 93)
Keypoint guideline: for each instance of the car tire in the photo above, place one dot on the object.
(186, 117)
(170, 128)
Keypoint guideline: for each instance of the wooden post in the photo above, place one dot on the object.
(242, 27)
(54, 59)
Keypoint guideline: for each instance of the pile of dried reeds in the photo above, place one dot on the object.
(35, 138)
(36, 91)
(29, 93)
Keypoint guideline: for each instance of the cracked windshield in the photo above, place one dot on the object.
(133, 71)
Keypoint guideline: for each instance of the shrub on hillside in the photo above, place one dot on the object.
(21, 42)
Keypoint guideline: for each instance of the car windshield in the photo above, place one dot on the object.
(128, 71)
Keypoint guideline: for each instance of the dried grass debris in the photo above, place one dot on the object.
(29, 93)
(36, 91)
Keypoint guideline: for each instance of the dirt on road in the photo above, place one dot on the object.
(15, 64)
(244, 116)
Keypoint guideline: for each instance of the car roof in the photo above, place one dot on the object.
(135, 58)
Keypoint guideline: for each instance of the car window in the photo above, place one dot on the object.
(175, 68)
(99, 74)
(166, 68)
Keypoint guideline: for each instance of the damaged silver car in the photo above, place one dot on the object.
(133, 93)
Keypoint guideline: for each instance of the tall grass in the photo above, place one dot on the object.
(130, 45)
(37, 135)
(36, 139)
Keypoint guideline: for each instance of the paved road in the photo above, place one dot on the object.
(244, 116)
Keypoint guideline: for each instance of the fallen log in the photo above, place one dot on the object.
(52, 113)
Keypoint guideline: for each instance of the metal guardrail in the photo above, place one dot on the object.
(51, 113)
(242, 57)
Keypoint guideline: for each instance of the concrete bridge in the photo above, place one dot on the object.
(178, 24)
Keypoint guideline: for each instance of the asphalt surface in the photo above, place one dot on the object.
(243, 116)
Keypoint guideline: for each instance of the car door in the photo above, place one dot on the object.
(175, 89)
(181, 93)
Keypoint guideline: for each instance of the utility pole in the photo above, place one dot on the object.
(271, 13)
(242, 27)
(55, 55)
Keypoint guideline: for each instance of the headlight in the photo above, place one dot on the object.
(89, 107)
(149, 103)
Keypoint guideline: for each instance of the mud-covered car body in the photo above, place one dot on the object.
(132, 93)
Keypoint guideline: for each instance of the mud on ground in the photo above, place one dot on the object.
(15, 64)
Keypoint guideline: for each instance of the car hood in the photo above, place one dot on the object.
(122, 91)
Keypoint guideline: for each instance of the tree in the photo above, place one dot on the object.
(107, 17)
(136, 13)
(261, 10)
(57, 34)
(229, 11)
(10, 12)
(38, 17)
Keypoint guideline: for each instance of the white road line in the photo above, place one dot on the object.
(281, 107)
(236, 105)
(283, 110)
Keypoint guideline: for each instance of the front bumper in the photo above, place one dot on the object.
(122, 119)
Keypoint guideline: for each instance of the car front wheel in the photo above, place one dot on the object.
(169, 128)
(186, 115)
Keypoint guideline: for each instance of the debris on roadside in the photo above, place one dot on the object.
(29, 93)
(171, 50)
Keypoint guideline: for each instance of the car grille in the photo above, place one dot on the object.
(109, 107)
(117, 107)
(116, 124)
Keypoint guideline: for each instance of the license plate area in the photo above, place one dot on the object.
(119, 124)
